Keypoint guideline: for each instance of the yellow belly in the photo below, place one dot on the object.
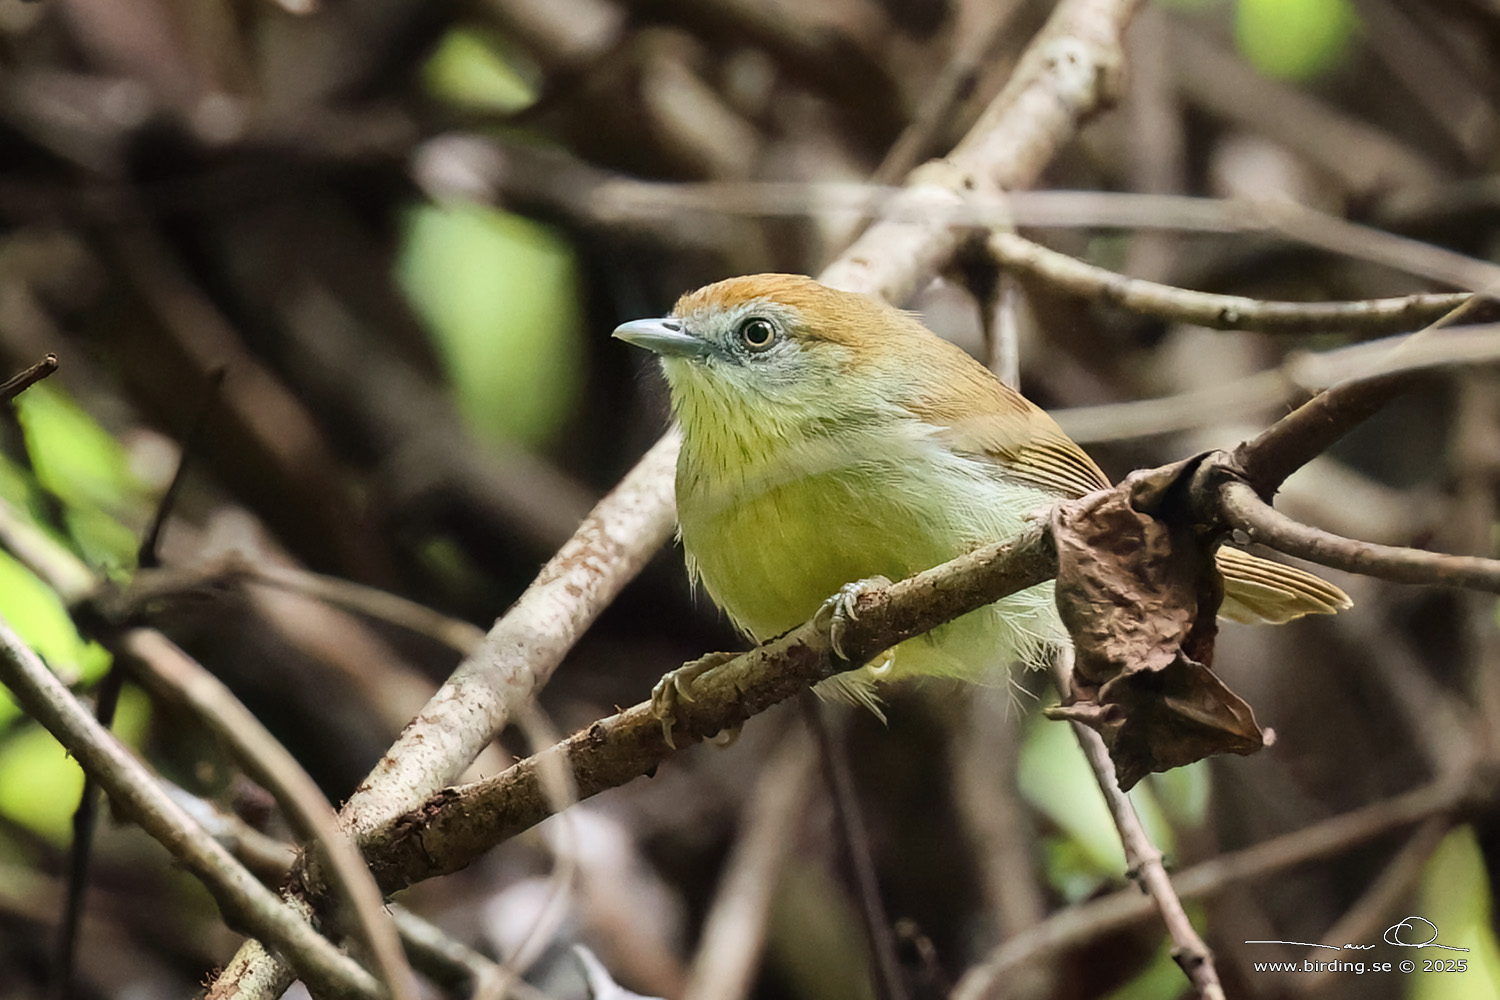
(771, 549)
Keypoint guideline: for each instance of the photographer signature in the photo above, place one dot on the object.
(1407, 933)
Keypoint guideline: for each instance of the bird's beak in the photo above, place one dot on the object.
(664, 336)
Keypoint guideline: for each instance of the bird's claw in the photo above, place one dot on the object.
(840, 609)
(677, 686)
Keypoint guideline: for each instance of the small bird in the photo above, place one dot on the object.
(829, 438)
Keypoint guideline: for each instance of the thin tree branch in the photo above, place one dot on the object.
(244, 902)
(854, 842)
(1302, 372)
(23, 380)
(1297, 438)
(1245, 510)
(735, 928)
(1068, 72)
(81, 851)
(1143, 859)
(520, 652)
(1313, 428)
(1379, 901)
(1221, 312)
(443, 958)
(456, 825)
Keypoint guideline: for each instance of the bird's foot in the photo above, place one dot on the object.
(839, 610)
(677, 686)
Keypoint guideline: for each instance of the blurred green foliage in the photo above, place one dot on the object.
(500, 295)
(40, 783)
(78, 495)
(1295, 39)
(1055, 779)
(37, 614)
(1455, 896)
(476, 69)
(815, 939)
(1161, 979)
(86, 469)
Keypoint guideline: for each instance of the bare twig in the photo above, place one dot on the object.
(81, 851)
(453, 827)
(136, 793)
(521, 651)
(1246, 511)
(1221, 312)
(455, 633)
(441, 957)
(1069, 71)
(1368, 160)
(972, 50)
(986, 750)
(1142, 858)
(146, 553)
(1379, 901)
(1302, 372)
(21, 381)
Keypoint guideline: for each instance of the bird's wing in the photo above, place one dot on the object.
(1260, 592)
(1001, 426)
(980, 417)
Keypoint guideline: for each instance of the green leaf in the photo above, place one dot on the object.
(500, 296)
(474, 69)
(81, 464)
(1184, 794)
(814, 939)
(40, 784)
(1295, 39)
(74, 457)
(38, 616)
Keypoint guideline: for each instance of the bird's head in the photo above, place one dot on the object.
(779, 349)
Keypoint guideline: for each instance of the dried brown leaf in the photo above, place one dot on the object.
(1138, 591)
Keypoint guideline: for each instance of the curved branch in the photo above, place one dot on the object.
(1313, 427)
(1069, 71)
(1220, 312)
(1245, 510)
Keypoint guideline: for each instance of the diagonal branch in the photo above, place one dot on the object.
(138, 795)
(455, 826)
(174, 676)
(1144, 859)
(25, 379)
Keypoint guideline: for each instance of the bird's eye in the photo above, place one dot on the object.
(757, 333)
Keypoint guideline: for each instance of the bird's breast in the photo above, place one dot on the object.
(774, 534)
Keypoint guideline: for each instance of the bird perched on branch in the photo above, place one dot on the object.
(829, 438)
